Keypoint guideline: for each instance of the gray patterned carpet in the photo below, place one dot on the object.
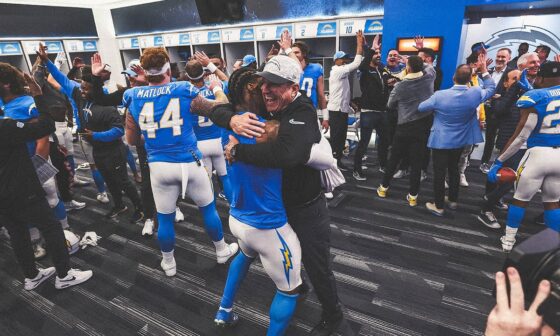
(400, 271)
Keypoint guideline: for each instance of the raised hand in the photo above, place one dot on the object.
(78, 62)
(419, 42)
(202, 58)
(509, 317)
(42, 53)
(285, 40)
(489, 61)
(524, 81)
(482, 63)
(360, 37)
(34, 88)
(375, 45)
(96, 65)
(557, 58)
(214, 82)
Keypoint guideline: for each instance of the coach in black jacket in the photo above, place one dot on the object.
(301, 185)
(22, 198)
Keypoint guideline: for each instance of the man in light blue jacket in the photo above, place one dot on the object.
(455, 126)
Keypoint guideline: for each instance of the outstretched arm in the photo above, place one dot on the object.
(527, 123)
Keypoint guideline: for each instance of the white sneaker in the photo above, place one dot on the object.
(74, 205)
(170, 268)
(329, 195)
(74, 277)
(227, 253)
(148, 227)
(463, 181)
(83, 166)
(507, 244)
(400, 174)
(103, 198)
(43, 275)
(38, 250)
(179, 217)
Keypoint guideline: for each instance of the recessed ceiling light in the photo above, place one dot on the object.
(531, 7)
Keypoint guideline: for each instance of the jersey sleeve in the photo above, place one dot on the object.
(529, 99)
(127, 98)
(33, 112)
(187, 89)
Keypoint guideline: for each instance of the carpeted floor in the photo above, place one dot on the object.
(400, 271)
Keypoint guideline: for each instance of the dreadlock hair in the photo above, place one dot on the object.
(13, 76)
(87, 76)
(237, 82)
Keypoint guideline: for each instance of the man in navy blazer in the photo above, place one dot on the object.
(455, 126)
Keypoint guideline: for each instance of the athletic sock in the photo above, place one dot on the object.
(72, 163)
(98, 179)
(212, 222)
(220, 245)
(237, 272)
(131, 160)
(168, 256)
(60, 214)
(226, 185)
(514, 218)
(552, 219)
(166, 232)
(281, 311)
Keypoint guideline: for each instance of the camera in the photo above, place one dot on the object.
(537, 259)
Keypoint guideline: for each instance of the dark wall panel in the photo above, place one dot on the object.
(45, 21)
(155, 16)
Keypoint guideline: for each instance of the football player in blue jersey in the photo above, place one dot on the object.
(20, 106)
(207, 134)
(312, 82)
(258, 219)
(161, 111)
(539, 127)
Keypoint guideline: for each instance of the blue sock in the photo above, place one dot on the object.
(212, 222)
(131, 160)
(237, 271)
(72, 163)
(515, 216)
(60, 211)
(281, 311)
(226, 184)
(98, 179)
(552, 219)
(166, 231)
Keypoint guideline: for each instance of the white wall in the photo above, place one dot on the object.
(108, 46)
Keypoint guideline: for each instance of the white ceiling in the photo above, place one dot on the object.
(80, 3)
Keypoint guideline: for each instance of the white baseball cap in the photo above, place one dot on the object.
(281, 69)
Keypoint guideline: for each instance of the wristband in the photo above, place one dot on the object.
(287, 51)
(217, 89)
(325, 113)
(212, 67)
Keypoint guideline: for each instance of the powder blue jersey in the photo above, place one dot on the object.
(547, 104)
(203, 127)
(256, 193)
(163, 114)
(22, 108)
(309, 79)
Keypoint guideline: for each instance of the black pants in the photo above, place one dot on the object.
(370, 121)
(146, 186)
(112, 166)
(408, 147)
(492, 126)
(16, 218)
(494, 191)
(446, 161)
(63, 176)
(311, 224)
(338, 122)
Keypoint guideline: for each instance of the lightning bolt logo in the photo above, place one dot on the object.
(533, 35)
(287, 256)
(520, 170)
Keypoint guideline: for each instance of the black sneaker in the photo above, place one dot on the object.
(342, 166)
(116, 211)
(137, 216)
(327, 327)
(359, 176)
(487, 218)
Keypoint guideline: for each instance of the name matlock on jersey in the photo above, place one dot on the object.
(546, 102)
(164, 117)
